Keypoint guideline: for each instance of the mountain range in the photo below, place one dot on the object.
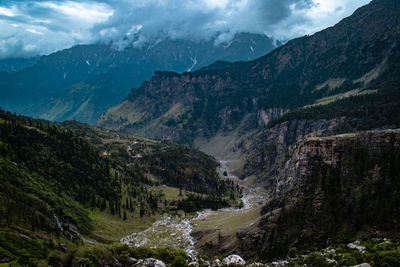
(82, 82)
(353, 58)
(11, 65)
(306, 134)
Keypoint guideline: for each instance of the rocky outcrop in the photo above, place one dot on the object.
(269, 148)
(181, 107)
(333, 151)
(150, 262)
(233, 260)
(269, 115)
(216, 263)
(331, 187)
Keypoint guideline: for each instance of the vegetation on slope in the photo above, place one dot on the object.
(161, 162)
(81, 82)
(52, 181)
(376, 252)
(352, 195)
(362, 112)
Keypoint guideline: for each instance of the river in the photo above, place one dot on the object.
(175, 231)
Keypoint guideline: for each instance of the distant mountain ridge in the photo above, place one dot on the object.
(84, 81)
(16, 64)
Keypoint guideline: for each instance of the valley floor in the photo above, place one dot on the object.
(194, 233)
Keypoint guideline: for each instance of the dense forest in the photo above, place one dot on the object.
(360, 112)
(162, 162)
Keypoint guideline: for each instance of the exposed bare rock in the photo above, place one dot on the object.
(216, 263)
(233, 259)
(132, 261)
(267, 116)
(330, 186)
(150, 262)
(331, 150)
(270, 147)
(362, 265)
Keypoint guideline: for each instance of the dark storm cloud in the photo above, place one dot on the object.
(196, 19)
(42, 26)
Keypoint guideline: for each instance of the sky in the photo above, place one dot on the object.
(37, 27)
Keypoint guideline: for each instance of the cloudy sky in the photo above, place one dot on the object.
(31, 27)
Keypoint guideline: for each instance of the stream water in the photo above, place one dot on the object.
(174, 231)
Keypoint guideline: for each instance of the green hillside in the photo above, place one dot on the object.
(57, 186)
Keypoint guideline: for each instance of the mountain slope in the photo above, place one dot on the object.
(84, 81)
(338, 62)
(333, 190)
(58, 181)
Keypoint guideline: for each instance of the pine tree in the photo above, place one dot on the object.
(130, 205)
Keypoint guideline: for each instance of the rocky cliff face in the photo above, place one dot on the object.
(180, 107)
(336, 152)
(332, 189)
(269, 149)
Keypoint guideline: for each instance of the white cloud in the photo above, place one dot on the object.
(85, 13)
(6, 12)
(43, 26)
(34, 31)
(31, 27)
(216, 3)
(328, 12)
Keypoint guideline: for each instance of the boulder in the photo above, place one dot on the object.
(132, 261)
(362, 265)
(241, 233)
(159, 263)
(233, 259)
(256, 264)
(216, 263)
(150, 262)
(63, 248)
(117, 263)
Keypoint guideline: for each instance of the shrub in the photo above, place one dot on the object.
(81, 261)
(387, 258)
(347, 259)
(141, 252)
(165, 255)
(179, 261)
(293, 252)
(104, 255)
(316, 260)
(85, 257)
(55, 258)
(124, 257)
